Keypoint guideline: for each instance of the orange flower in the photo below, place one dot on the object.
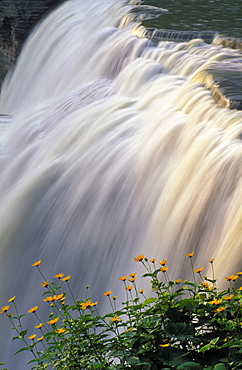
(162, 263)
(215, 301)
(66, 278)
(228, 297)
(39, 326)
(133, 275)
(190, 255)
(198, 270)
(239, 273)
(59, 297)
(163, 269)
(48, 299)
(114, 297)
(86, 304)
(32, 336)
(153, 260)
(33, 309)
(115, 318)
(123, 278)
(211, 261)
(232, 277)
(36, 263)
(53, 321)
(165, 345)
(108, 293)
(139, 258)
(12, 299)
(141, 291)
(4, 309)
(129, 287)
(45, 284)
(60, 331)
(132, 279)
(39, 339)
(220, 309)
(178, 281)
(58, 276)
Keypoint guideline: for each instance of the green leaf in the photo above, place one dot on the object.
(219, 367)
(211, 344)
(189, 366)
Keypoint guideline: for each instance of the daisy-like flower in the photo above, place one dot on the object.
(39, 326)
(228, 297)
(139, 258)
(40, 339)
(114, 297)
(12, 299)
(190, 255)
(211, 261)
(93, 304)
(48, 299)
(58, 276)
(198, 270)
(44, 284)
(123, 278)
(32, 336)
(115, 318)
(132, 279)
(239, 273)
(205, 285)
(133, 275)
(9, 315)
(220, 309)
(164, 269)
(232, 277)
(215, 301)
(66, 278)
(165, 345)
(108, 293)
(60, 331)
(162, 263)
(178, 281)
(129, 287)
(141, 291)
(59, 297)
(240, 288)
(36, 263)
(4, 309)
(153, 260)
(53, 321)
(33, 309)
(86, 304)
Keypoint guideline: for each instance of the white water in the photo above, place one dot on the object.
(112, 151)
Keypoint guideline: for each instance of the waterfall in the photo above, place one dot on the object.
(113, 148)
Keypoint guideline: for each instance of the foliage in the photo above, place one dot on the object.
(184, 326)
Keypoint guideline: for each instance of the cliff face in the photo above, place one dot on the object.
(17, 18)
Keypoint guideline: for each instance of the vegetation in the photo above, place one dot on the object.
(184, 326)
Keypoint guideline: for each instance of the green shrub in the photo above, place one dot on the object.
(185, 326)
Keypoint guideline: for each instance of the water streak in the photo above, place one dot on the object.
(113, 150)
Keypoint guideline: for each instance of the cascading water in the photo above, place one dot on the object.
(111, 148)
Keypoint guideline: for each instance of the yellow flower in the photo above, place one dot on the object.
(139, 258)
(228, 297)
(33, 309)
(4, 309)
(39, 326)
(36, 263)
(32, 336)
(48, 299)
(93, 304)
(141, 291)
(60, 331)
(132, 279)
(86, 304)
(162, 263)
(129, 329)
(198, 270)
(114, 297)
(9, 315)
(115, 318)
(123, 278)
(221, 309)
(129, 287)
(66, 278)
(239, 273)
(133, 275)
(215, 301)
(58, 297)
(165, 345)
(58, 276)
(39, 339)
(12, 299)
(205, 285)
(45, 284)
(164, 269)
(153, 260)
(108, 293)
(190, 255)
(232, 277)
(211, 261)
(178, 281)
(240, 288)
(53, 321)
